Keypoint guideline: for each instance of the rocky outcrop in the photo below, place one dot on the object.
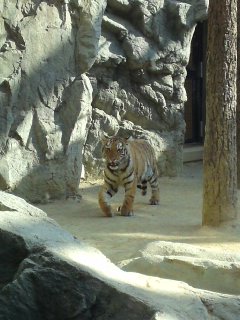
(45, 96)
(52, 111)
(46, 273)
(201, 268)
(138, 77)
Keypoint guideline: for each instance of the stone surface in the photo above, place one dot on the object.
(138, 77)
(45, 97)
(9, 202)
(126, 60)
(49, 274)
(201, 268)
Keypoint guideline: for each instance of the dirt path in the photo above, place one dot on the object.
(177, 218)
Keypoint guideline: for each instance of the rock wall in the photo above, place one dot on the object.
(138, 76)
(52, 112)
(45, 96)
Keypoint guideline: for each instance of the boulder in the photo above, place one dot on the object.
(199, 267)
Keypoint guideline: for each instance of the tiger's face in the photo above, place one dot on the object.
(115, 152)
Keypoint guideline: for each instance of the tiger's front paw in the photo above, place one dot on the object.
(108, 212)
(126, 212)
(109, 215)
(153, 201)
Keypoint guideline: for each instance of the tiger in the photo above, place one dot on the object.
(129, 163)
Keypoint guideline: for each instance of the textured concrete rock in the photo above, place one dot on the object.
(43, 158)
(87, 18)
(45, 100)
(201, 268)
(9, 202)
(135, 53)
(141, 63)
(48, 274)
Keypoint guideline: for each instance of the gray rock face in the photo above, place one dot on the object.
(138, 77)
(135, 53)
(48, 274)
(45, 98)
(61, 291)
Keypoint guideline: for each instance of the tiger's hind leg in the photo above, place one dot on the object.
(106, 192)
(154, 200)
(143, 187)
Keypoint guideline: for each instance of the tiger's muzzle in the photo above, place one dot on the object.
(113, 165)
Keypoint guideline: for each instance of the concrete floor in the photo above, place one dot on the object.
(177, 218)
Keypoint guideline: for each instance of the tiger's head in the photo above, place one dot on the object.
(115, 152)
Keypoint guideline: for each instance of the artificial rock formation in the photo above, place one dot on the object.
(138, 77)
(44, 94)
(46, 273)
(71, 70)
(201, 268)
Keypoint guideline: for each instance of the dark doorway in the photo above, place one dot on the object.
(194, 111)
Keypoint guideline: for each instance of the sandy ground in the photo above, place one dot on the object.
(177, 218)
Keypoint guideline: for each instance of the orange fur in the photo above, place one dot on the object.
(131, 164)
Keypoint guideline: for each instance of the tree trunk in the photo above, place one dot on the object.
(220, 157)
(238, 94)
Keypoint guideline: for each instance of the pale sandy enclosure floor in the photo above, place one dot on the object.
(177, 218)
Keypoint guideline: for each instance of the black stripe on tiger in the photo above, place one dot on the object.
(144, 188)
(106, 177)
(128, 182)
(128, 162)
(154, 177)
(115, 190)
(112, 171)
(134, 161)
(128, 175)
(109, 193)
